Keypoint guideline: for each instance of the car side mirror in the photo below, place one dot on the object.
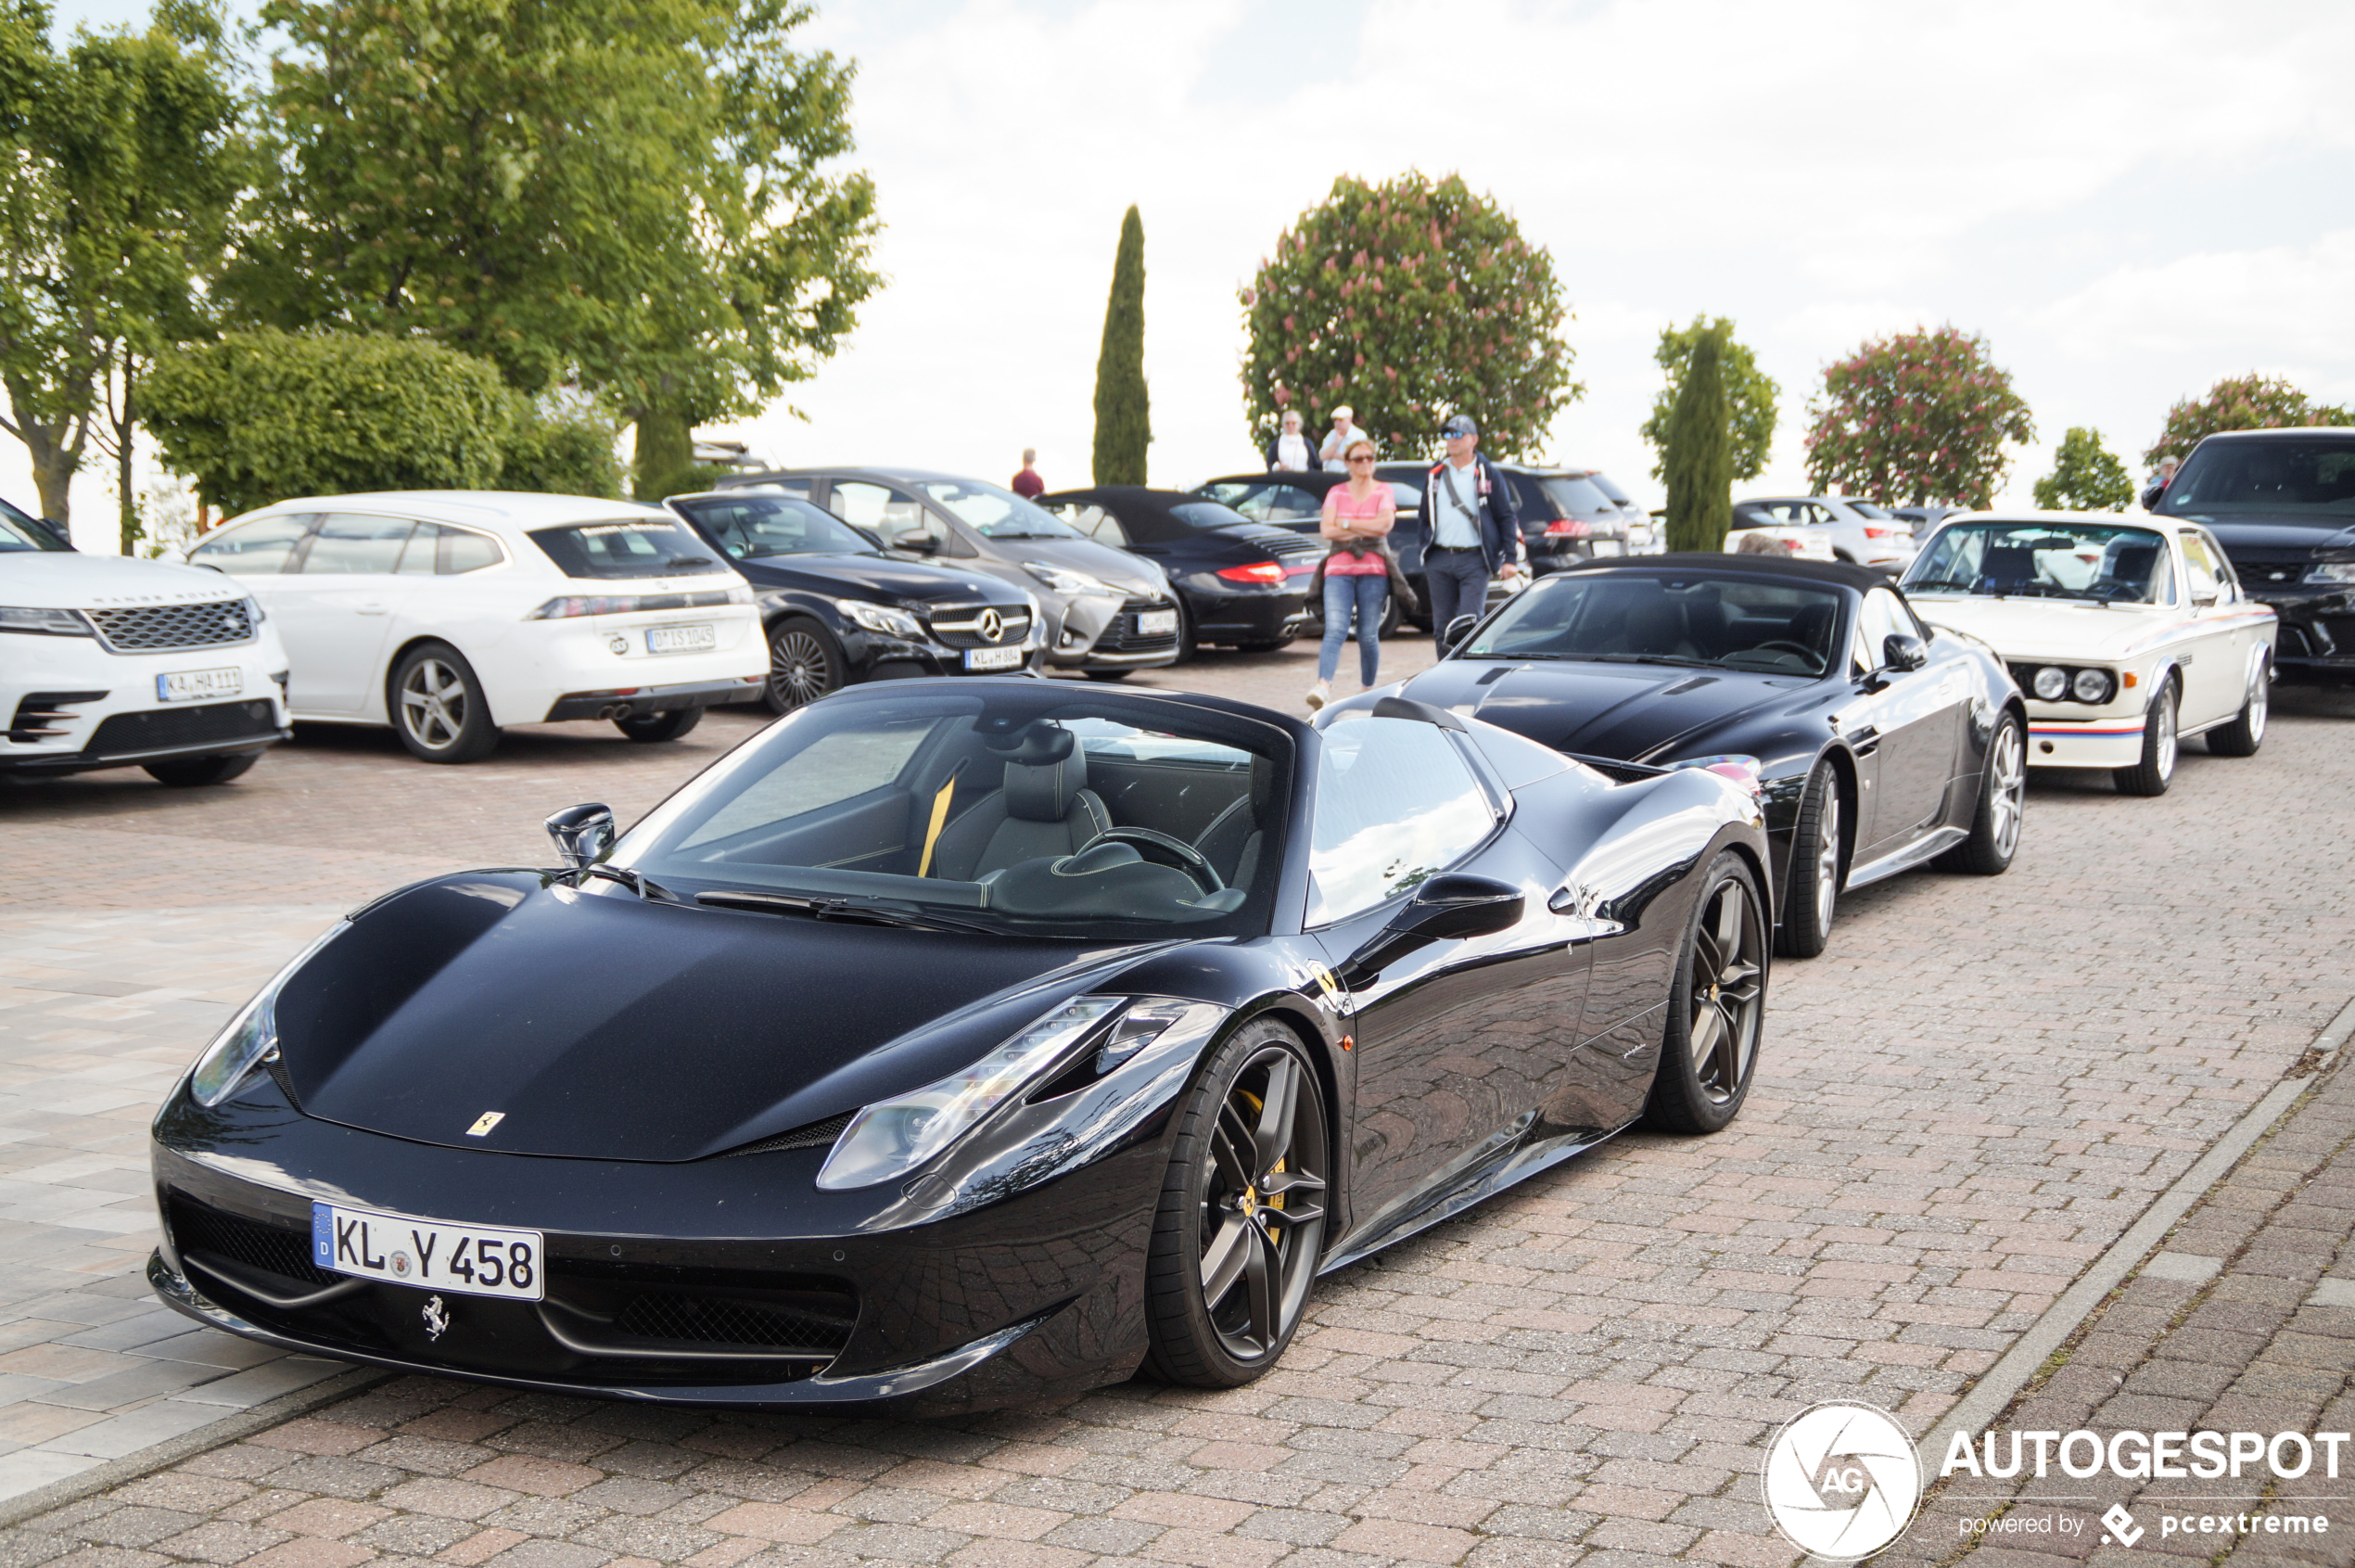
(1449, 907)
(918, 543)
(583, 834)
(1458, 629)
(2204, 601)
(1901, 651)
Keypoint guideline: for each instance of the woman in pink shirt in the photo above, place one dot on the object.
(1357, 519)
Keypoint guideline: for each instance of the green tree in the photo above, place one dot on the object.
(117, 167)
(1751, 396)
(2241, 403)
(560, 447)
(1697, 454)
(1919, 418)
(1123, 418)
(1408, 300)
(2085, 477)
(637, 197)
(259, 416)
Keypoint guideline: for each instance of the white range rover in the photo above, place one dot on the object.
(109, 662)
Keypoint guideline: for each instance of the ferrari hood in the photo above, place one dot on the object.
(600, 1028)
(1638, 713)
(2047, 628)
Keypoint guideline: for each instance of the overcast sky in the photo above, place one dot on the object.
(2127, 200)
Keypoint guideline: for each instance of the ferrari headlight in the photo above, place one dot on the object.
(2091, 685)
(2331, 571)
(2051, 683)
(880, 617)
(251, 1036)
(889, 1139)
(1065, 581)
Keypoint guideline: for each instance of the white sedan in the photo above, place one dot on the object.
(449, 614)
(2124, 636)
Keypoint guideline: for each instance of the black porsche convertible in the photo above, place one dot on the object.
(1879, 742)
(954, 1043)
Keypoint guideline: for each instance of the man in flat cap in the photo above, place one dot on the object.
(1474, 530)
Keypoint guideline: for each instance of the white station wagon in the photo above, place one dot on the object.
(2124, 635)
(449, 614)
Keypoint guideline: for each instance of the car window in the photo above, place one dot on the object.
(1602, 483)
(899, 519)
(1532, 500)
(2292, 476)
(20, 532)
(1578, 497)
(1770, 628)
(2039, 560)
(459, 550)
(1864, 508)
(1206, 515)
(992, 511)
(624, 547)
(349, 543)
(253, 549)
(2200, 567)
(1882, 616)
(749, 527)
(1090, 519)
(1264, 501)
(1396, 805)
(834, 767)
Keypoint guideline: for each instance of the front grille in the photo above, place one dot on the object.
(961, 628)
(1122, 636)
(145, 628)
(729, 1321)
(45, 715)
(164, 729)
(2272, 574)
(272, 1249)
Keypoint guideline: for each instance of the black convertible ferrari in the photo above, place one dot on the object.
(953, 1043)
(1879, 744)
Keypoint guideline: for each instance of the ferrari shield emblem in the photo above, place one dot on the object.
(485, 1122)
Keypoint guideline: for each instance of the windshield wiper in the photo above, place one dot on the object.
(645, 886)
(1646, 658)
(1957, 585)
(819, 907)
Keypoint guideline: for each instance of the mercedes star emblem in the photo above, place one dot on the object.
(992, 625)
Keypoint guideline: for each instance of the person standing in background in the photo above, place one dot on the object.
(2156, 491)
(1289, 449)
(1358, 520)
(1027, 484)
(1335, 452)
(1475, 531)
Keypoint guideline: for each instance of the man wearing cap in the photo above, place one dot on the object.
(1475, 532)
(1335, 452)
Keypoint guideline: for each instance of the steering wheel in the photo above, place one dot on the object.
(1174, 853)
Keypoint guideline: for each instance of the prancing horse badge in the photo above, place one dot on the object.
(437, 1319)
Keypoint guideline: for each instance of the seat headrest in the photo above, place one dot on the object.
(1654, 625)
(1042, 792)
(1035, 743)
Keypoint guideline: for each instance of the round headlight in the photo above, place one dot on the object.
(2051, 683)
(2091, 685)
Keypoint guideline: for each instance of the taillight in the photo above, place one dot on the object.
(1257, 571)
(1790, 547)
(1872, 533)
(1567, 528)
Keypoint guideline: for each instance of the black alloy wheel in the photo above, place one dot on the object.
(2246, 731)
(805, 663)
(1811, 888)
(193, 771)
(1716, 1010)
(2003, 801)
(1242, 1222)
(438, 706)
(649, 728)
(2160, 746)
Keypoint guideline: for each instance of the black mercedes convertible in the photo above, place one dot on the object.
(954, 1043)
(1879, 742)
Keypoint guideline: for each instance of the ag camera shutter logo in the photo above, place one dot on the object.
(1842, 1480)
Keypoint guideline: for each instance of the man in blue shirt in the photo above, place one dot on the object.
(1475, 532)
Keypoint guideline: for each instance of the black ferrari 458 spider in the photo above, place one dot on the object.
(953, 1043)
(1878, 743)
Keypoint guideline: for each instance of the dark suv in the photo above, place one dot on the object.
(1566, 517)
(2282, 503)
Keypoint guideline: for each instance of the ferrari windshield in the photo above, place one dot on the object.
(1027, 808)
(2279, 476)
(2098, 563)
(1617, 617)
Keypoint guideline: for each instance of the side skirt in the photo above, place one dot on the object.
(1917, 853)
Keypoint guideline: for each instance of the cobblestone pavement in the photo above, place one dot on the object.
(1976, 1090)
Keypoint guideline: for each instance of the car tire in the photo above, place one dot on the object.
(649, 728)
(1815, 850)
(193, 771)
(1716, 1008)
(1186, 650)
(1256, 1105)
(2003, 801)
(2157, 769)
(2246, 731)
(438, 706)
(805, 663)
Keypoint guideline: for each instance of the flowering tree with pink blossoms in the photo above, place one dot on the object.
(2241, 403)
(1919, 418)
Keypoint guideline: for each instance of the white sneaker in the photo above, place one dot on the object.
(1319, 695)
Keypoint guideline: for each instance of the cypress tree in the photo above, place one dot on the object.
(1698, 458)
(1123, 422)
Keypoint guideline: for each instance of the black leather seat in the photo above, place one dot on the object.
(1232, 841)
(1042, 808)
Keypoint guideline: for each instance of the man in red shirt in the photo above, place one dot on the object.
(1027, 484)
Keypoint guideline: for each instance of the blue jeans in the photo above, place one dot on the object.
(1366, 595)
